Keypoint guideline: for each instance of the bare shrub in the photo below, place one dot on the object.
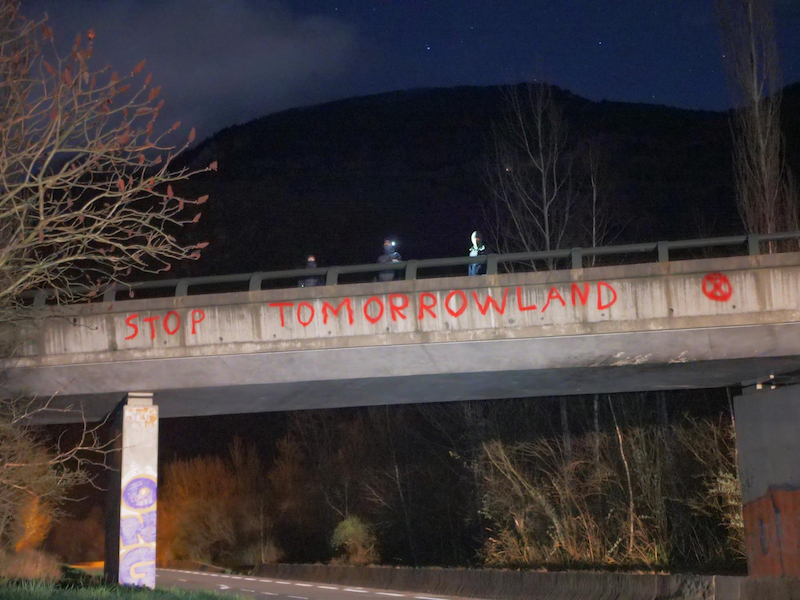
(34, 524)
(543, 509)
(605, 506)
(79, 540)
(711, 445)
(356, 542)
(36, 475)
(195, 520)
(212, 510)
(29, 564)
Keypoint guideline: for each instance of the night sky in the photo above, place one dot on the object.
(223, 62)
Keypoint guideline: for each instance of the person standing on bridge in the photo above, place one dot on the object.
(311, 281)
(390, 255)
(478, 248)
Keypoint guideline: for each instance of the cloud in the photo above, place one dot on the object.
(218, 62)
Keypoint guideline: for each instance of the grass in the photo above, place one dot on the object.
(42, 591)
(78, 585)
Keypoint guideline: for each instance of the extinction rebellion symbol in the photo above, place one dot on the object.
(717, 287)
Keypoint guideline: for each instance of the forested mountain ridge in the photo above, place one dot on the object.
(335, 178)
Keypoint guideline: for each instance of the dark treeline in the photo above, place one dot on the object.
(334, 179)
(620, 481)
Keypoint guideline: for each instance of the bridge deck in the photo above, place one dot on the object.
(701, 323)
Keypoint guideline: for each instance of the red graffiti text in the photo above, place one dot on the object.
(170, 323)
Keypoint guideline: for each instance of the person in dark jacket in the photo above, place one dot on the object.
(390, 255)
(313, 280)
(478, 249)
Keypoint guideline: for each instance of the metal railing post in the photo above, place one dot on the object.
(182, 289)
(332, 277)
(491, 264)
(40, 299)
(754, 244)
(411, 270)
(577, 258)
(255, 282)
(110, 294)
(663, 251)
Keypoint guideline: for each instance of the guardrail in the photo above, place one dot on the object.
(411, 267)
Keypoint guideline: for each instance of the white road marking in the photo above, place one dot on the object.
(235, 577)
(355, 590)
(428, 598)
(304, 584)
(327, 587)
(251, 591)
(250, 579)
(269, 593)
(299, 597)
(183, 580)
(223, 587)
(389, 594)
(284, 582)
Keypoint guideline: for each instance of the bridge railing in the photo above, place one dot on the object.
(573, 256)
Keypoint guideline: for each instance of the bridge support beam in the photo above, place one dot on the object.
(767, 425)
(131, 512)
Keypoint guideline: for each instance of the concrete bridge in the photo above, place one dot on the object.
(667, 325)
(689, 324)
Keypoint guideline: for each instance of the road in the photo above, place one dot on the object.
(279, 589)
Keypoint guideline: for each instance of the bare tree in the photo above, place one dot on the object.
(598, 224)
(388, 487)
(765, 193)
(530, 174)
(38, 475)
(86, 169)
(86, 198)
(546, 191)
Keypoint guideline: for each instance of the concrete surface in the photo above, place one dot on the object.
(281, 589)
(320, 582)
(769, 467)
(703, 323)
(131, 515)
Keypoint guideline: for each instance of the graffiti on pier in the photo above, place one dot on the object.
(772, 533)
(137, 532)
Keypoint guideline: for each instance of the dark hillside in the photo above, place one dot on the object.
(335, 178)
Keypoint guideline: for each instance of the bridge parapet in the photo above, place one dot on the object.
(409, 270)
(676, 295)
(700, 323)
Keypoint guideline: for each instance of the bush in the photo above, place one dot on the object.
(79, 541)
(29, 564)
(357, 541)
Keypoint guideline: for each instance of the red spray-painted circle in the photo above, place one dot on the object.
(717, 287)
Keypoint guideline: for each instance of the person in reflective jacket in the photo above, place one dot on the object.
(478, 249)
(390, 255)
(311, 281)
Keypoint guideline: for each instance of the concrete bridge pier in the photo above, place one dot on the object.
(768, 442)
(131, 510)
